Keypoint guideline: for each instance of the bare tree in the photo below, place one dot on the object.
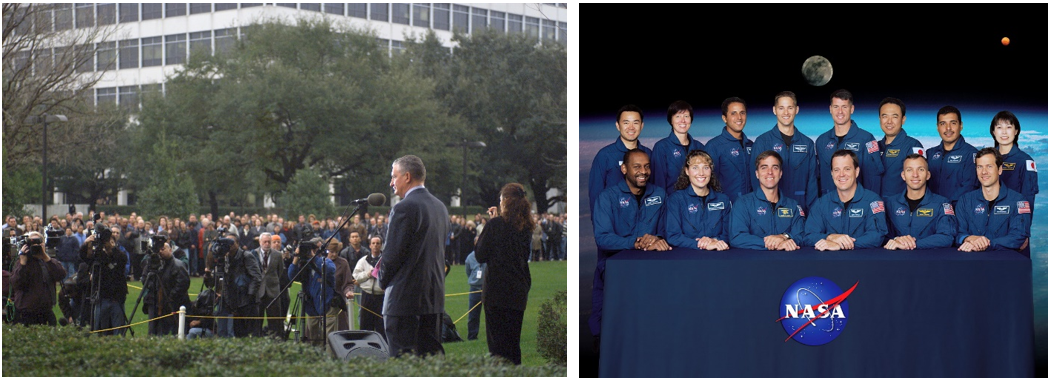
(48, 67)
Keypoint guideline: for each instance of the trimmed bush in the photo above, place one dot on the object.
(65, 351)
(551, 329)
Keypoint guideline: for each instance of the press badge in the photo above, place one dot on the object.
(478, 274)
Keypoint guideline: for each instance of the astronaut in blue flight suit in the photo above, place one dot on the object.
(731, 151)
(666, 162)
(606, 166)
(952, 163)
(1019, 170)
(797, 151)
(845, 134)
(766, 219)
(629, 215)
(918, 218)
(993, 216)
(697, 214)
(895, 146)
(852, 217)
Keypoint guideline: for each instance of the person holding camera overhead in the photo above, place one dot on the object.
(317, 303)
(35, 275)
(169, 288)
(109, 289)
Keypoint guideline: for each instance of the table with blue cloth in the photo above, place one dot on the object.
(922, 313)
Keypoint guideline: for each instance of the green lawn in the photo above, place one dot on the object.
(548, 278)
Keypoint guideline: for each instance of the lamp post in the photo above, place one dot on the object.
(464, 175)
(45, 119)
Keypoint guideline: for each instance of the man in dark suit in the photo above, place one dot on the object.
(272, 266)
(412, 269)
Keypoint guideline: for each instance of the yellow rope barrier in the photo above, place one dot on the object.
(134, 324)
(469, 311)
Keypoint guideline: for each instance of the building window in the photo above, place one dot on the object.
(201, 43)
(106, 13)
(383, 44)
(478, 19)
(225, 39)
(336, 9)
(129, 98)
(287, 5)
(63, 17)
(422, 15)
(107, 56)
(442, 16)
(359, 10)
(152, 51)
(175, 49)
(129, 54)
(400, 13)
(397, 47)
(378, 11)
(150, 88)
(549, 30)
(85, 15)
(514, 23)
(106, 95)
(533, 27)
(174, 10)
(496, 20)
(460, 18)
(85, 58)
(250, 5)
(152, 11)
(129, 12)
(562, 32)
(196, 8)
(311, 7)
(42, 62)
(225, 6)
(42, 20)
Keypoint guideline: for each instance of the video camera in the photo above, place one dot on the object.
(153, 244)
(54, 236)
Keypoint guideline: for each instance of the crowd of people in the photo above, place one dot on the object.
(249, 261)
(843, 190)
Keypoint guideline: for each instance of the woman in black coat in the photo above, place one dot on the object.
(505, 246)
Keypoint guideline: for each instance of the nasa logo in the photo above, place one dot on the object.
(900, 211)
(936, 156)
(761, 211)
(814, 310)
(830, 145)
(676, 153)
(777, 147)
(623, 202)
(692, 208)
(734, 152)
(837, 212)
(979, 209)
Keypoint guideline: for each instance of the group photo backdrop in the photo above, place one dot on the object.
(928, 57)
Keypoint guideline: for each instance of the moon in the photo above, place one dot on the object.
(817, 70)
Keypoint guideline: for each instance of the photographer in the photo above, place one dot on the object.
(108, 290)
(241, 283)
(35, 275)
(168, 282)
(317, 303)
(73, 298)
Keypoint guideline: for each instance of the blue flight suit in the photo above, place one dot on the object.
(666, 162)
(689, 216)
(606, 169)
(866, 148)
(1019, 173)
(732, 163)
(933, 225)
(953, 171)
(893, 155)
(618, 219)
(799, 165)
(1007, 224)
(753, 218)
(862, 218)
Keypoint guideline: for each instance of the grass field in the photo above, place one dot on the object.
(548, 278)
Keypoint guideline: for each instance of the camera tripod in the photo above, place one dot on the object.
(151, 283)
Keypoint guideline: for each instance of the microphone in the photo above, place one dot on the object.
(375, 199)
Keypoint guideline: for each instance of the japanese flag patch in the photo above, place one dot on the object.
(877, 207)
(919, 151)
(872, 146)
(1024, 207)
(1031, 166)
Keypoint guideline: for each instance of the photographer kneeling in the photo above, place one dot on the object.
(167, 283)
(108, 287)
(240, 287)
(35, 276)
(317, 303)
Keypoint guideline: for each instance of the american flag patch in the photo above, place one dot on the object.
(877, 207)
(1024, 207)
(947, 209)
(872, 146)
